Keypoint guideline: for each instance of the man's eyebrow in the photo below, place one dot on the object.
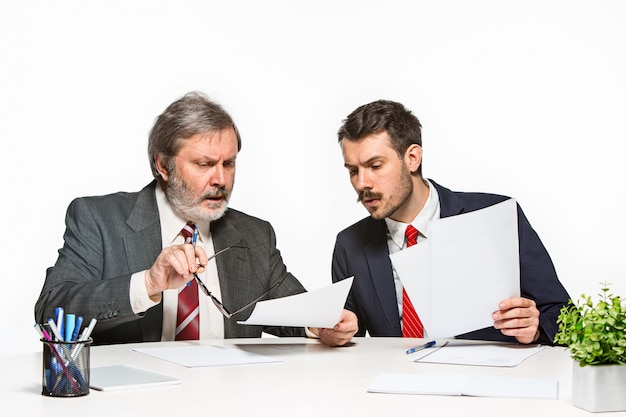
(367, 162)
(210, 158)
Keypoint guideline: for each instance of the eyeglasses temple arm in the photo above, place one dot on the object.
(276, 284)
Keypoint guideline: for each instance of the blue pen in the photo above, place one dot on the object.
(194, 237)
(420, 347)
(58, 319)
(79, 322)
(70, 323)
(194, 240)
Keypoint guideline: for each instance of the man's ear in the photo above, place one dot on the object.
(161, 166)
(413, 157)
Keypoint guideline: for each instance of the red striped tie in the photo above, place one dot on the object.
(188, 315)
(411, 324)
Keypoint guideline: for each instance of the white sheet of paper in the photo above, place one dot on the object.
(415, 270)
(120, 377)
(457, 276)
(318, 308)
(465, 384)
(197, 356)
(480, 354)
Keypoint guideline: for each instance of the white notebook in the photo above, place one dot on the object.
(118, 377)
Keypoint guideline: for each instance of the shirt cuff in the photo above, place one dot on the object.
(310, 334)
(139, 300)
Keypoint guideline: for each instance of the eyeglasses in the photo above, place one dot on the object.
(217, 302)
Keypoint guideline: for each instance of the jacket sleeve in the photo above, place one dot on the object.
(538, 279)
(78, 280)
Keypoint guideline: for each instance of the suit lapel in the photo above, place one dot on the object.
(234, 267)
(143, 246)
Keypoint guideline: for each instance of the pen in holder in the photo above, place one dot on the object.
(66, 367)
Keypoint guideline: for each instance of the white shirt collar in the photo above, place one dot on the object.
(171, 222)
(421, 222)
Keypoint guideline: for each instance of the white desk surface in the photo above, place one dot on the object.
(311, 380)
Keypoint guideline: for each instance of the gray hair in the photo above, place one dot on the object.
(192, 114)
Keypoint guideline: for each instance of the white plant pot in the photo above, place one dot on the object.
(599, 388)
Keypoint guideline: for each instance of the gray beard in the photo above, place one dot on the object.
(188, 206)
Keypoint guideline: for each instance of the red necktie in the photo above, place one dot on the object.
(188, 315)
(411, 324)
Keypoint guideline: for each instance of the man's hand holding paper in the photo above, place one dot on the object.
(334, 325)
(465, 276)
(518, 317)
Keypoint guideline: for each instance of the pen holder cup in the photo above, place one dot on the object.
(66, 368)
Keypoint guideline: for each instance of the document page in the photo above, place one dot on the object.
(319, 308)
(119, 377)
(197, 356)
(459, 274)
(465, 384)
(480, 354)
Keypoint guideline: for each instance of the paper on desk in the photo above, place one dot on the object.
(468, 264)
(319, 308)
(198, 356)
(465, 384)
(120, 377)
(478, 354)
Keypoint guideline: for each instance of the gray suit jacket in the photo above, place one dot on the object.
(108, 238)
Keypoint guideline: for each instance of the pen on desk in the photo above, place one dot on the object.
(421, 357)
(420, 347)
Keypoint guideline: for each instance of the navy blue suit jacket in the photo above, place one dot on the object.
(361, 251)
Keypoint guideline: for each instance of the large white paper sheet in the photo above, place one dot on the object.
(468, 264)
(465, 384)
(198, 356)
(120, 377)
(479, 354)
(319, 308)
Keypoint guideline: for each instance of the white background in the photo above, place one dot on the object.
(524, 98)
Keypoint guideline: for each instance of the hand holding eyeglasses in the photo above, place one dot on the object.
(173, 268)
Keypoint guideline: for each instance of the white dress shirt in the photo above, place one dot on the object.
(211, 320)
(396, 240)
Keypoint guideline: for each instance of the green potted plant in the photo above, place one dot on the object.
(595, 335)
